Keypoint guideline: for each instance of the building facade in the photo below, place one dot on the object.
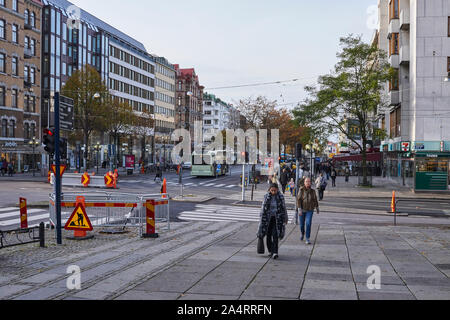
(164, 109)
(189, 95)
(73, 38)
(20, 83)
(217, 114)
(416, 36)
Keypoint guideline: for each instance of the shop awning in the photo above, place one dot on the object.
(378, 156)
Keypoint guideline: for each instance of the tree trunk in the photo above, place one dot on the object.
(364, 163)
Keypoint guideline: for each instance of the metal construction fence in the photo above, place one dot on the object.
(114, 210)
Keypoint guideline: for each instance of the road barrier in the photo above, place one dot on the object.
(115, 210)
(88, 180)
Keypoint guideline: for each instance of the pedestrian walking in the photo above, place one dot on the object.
(284, 179)
(333, 177)
(10, 169)
(273, 219)
(4, 167)
(307, 203)
(158, 172)
(347, 173)
(292, 187)
(321, 184)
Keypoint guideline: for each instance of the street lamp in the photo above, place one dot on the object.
(34, 143)
(97, 148)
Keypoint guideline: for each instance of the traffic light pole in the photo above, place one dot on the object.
(57, 175)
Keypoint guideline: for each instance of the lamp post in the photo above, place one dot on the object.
(34, 143)
(97, 148)
(308, 148)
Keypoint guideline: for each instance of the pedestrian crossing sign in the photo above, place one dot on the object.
(79, 220)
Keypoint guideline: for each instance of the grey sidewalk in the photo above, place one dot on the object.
(218, 260)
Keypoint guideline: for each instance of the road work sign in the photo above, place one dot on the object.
(79, 220)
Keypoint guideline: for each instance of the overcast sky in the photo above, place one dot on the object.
(238, 42)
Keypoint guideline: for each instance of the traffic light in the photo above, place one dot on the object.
(298, 151)
(63, 148)
(49, 141)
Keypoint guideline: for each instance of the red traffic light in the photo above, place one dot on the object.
(48, 132)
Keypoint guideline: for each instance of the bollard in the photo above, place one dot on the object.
(150, 220)
(23, 213)
(42, 235)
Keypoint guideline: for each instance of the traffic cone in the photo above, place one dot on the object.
(393, 208)
(142, 170)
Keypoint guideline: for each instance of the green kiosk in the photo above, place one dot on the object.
(432, 171)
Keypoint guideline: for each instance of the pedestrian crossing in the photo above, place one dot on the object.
(10, 217)
(208, 184)
(224, 213)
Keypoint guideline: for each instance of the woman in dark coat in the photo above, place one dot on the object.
(273, 219)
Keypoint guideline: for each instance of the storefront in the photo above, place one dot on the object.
(432, 171)
(21, 155)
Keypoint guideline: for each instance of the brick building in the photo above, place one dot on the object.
(20, 85)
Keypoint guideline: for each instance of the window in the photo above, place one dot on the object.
(448, 64)
(448, 26)
(12, 127)
(2, 62)
(27, 16)
(15, 6)
(26, 130)
(26, 42)
(393, 9)
(2, 96)
(2, 3)
(33, 47)
(32, 104)
(14, 97)
(26, 73)
(15, 66)
(4, 128)
(15, 35)
(33, 76)
(2, 29)
(33, 20)
(393, 44)
(26, 103)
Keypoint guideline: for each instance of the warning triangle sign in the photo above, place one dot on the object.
(79, 220)
(62, 169)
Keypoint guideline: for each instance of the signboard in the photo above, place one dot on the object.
(419, 146)
(66, 117)
(62, 169)
(354, 129)
(79, 220)
(406, 146)
(129, 161)
(85, 179)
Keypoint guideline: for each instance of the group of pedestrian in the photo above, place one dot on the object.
(274, 217)
(6, 167)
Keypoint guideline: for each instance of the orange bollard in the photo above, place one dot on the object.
(393, 206)
(164, 187)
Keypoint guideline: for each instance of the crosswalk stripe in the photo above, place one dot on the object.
(209, 185)
(8, 209)
(17, 213)
(216, 216)
(220, 186)
(232, 186)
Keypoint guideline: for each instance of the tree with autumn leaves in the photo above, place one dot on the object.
(262, 113)
(96, 110)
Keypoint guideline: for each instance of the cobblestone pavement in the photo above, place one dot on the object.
(218, 260)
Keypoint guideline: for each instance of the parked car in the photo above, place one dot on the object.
(187, 165)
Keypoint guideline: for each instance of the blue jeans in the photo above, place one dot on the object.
(306, 217)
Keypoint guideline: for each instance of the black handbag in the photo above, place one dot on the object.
(260, 246)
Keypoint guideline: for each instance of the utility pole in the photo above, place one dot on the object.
(57, 173)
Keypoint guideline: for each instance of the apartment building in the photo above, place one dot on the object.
(20, 85)
(416, 36)
(73, 38)
(216, 114)
(165, 77)
(189, 95)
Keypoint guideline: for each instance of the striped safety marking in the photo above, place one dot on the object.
(107, 205)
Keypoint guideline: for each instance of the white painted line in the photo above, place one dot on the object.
(8, 209)
(223, 214)
(217, 216)
(200, 219)
(209, 185)
(220, 186)
(232, 186)
(17, 213)
(17, 221)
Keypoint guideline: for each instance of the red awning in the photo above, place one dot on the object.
(378, 156)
